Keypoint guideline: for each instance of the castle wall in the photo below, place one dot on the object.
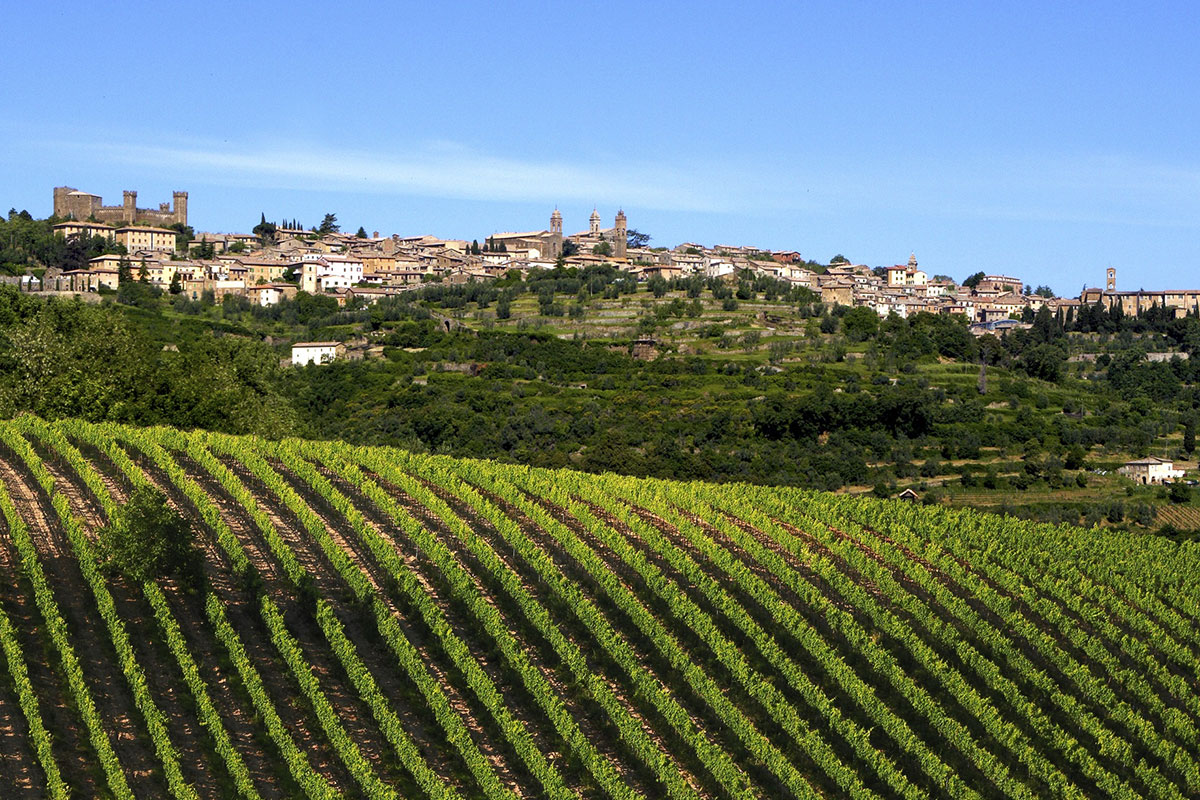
(70, 203)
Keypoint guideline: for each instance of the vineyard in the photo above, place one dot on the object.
(371, 623)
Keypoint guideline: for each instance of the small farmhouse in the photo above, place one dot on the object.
(1151, 470)
(316, 352)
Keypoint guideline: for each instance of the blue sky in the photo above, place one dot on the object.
(1047, 140)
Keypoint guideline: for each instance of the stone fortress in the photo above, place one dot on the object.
(73, 204)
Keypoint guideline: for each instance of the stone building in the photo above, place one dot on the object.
(1181, 301)
(616, 237)
(71, 203)
(144, 237)
(1151, 470)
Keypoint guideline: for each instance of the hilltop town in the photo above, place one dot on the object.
(276, 261)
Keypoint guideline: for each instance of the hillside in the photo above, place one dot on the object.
(370, 623)
(818, 398)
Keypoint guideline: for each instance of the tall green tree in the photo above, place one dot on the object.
(329, 225)
(265, 231)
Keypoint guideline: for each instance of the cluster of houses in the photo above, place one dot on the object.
(367, 268)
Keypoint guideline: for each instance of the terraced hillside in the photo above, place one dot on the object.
(369, 623)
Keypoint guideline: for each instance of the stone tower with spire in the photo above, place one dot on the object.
(556, 236)
(619, 235)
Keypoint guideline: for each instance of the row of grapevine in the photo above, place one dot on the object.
(1097, 692)
(209, 717)
(14, 657)
(601, 769)
(406, 653)
(60, 637)
(390, 624)
(345, 651)
(1113, 616)
(284, 642)
(312, 782)
(781, 712)
(841, 673)
(645, 684)
(563, 494)
(992, 674)
(127, 659)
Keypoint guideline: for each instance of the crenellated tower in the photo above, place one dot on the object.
(129, 207)
(180, 209)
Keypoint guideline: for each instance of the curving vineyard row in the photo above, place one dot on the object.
(371, 623)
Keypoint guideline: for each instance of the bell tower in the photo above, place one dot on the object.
(556, 234)
(1110, 284)
(594, 223)
(619, 235)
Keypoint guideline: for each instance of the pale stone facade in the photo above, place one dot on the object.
(1151, 470)
(137, 238)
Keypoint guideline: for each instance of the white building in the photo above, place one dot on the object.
(331, 272)
(1151, 470)
(713, 267)
(315, 352)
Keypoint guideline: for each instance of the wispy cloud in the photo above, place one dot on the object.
(1101, 190)
(436, 169)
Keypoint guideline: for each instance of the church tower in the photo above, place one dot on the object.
(1111, 282)
(556, 239)
(619, 235)
(594, 226)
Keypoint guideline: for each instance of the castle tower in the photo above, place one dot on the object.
(181, 207)
(1111, 282)
(594, 227)
(129, 207)
(61, 210)
(619, 235)
(556, 236)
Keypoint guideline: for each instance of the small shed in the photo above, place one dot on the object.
(909, 496)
